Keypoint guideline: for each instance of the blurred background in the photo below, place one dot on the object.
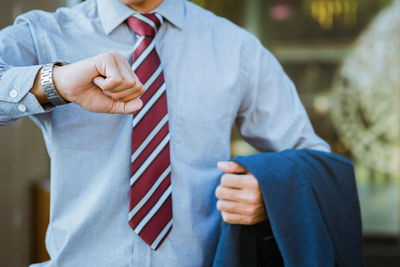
(343, 56)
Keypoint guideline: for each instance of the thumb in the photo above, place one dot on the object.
(133, 105)
(99, 81)
(231, 167)
(126, 107)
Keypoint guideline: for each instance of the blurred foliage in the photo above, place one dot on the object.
(199, 2)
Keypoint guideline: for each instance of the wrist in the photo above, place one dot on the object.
(37, 90)
(58, 85)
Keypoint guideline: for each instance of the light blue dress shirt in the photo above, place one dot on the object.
(216, 74)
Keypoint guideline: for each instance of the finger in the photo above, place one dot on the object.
(226, 193)
(105, 65)
(128, 98)
(233, 218)
(110, 84)
(232, 194)
(99, 81)
(231, 167)
(127, 73)
(110, 73)
(123, 91)
(239, 208)
(133, 105)
(124, 96)
(115, 75)
(239, 181)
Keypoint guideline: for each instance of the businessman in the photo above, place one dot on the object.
(136, 100)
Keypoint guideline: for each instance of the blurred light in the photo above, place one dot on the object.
(328, 12)
(280, 12)
(321, 104)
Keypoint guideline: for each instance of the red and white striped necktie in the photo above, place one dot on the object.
(150, 204)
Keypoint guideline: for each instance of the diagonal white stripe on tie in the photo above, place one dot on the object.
(153, 77)
(148, 139)
(161, 235)
(138, 42)
(155, 208)
(143, 56)
(147, 162)
(146, 197)
(148, 105)
(146, 20)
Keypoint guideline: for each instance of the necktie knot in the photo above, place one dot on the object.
(145, 24)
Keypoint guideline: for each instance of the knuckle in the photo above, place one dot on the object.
(229, 194)
(223, 215)
(224, 179)
(226, 217)
(106, 87)
(131, 83)
(103, 55)
(109, 55)
(113, 54)
(128, 98)
(250, 210)
(142, 90)
(235, 181)
(117, 80)
(253, 199)
(253, 182)
(248, 220)
(220, 206)
(119, 56)
(112, 95)
(218, 192)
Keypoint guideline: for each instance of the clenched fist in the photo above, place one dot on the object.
(104, 83)
(240, 200)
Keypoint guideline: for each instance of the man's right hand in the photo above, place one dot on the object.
(104, 83)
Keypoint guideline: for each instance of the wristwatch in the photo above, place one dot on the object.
(46, 80)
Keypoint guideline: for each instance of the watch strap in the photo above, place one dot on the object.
(46, 80)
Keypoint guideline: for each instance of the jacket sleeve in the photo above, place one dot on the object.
(18, 69)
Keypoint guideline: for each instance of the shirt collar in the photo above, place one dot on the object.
(112, 13)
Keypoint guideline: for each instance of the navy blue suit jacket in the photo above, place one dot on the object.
(313, 209)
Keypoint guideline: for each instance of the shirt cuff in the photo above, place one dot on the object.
(17, 101)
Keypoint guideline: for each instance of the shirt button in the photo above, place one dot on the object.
(21, 108)
(13, 93)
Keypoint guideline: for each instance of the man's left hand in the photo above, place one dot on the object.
(240, 199)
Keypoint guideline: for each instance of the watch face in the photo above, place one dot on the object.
(365, 106)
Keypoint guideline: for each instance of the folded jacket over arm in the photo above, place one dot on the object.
(313, 208)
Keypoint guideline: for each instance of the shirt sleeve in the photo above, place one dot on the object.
(271, 116)
(18, 69)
